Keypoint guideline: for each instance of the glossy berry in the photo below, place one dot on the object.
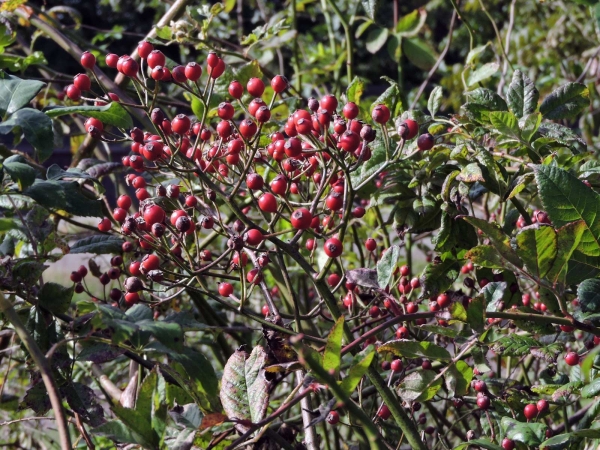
(253, 237)
(193, 71)
(88, 60)
(572, 358)
(530, 411)
(333, 418)
(333, 279)
(279, 84)
(333, 247)
(154, 214)
(370, 244)
(76, 277)
(443, 300)
(425, 142)
(236, 90)
(408, 129)
(508, 444)
(255, 87)
(104, 225)
(396, 365)
(381, 114)
(254, 181)
(542, 406)
(111, 60)
(248, 128)
(374, 311)
(254, 276)
(150, 262)
(265, 310)
(82, 82)
(156, 58)
(384, 412)
(267, 202)
(181, 124)
(225, 289)
(350, 111)
(329, 102)
(144, 48)
(402, 333)
(73, 92)
(301, 219)
(483, 402)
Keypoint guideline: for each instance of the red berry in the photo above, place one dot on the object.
(350, 111)
(542, 406)
(404, 271)
(301, 219)
(156, 58)
(402, 333)
(82, 82)
(333, 247)
(374, 312)
(254, 276)
(225, 111)
(426, 365)
(263, 114)
(119, 214)
(76, 277)
(483, 402)
(572, 358)
(93, 122)
(129, 67)
(104, 225)
(73, 92)
(236, 90)
(248, 128)
(150, 262)
(131, 298)
(425, 142)
(267, 202)
(82, 271)
(111, 60)
(265, 310)
(193, 71)
(408, 129)
(279, 185)
(508, 444)
(358, 212)
(530, 411)
(144, 48)
(154, 214)
(333, 418)
(254, 237)
(370, 244)
(88, 60)
(384, 412)
(381, 114)
(181, 124)
(443, 300)
(333, 279)
(479, 386)
(329, 102)
(396, 365)
(279, 84)
(255, 87)
(225, 289)
(216, 71)
(254, 181)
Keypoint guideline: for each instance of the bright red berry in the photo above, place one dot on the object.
(181, 124)
(370, 244)
(104, 225)
(73, 92)
(396, 365)
(267, 202)
(333, 418)
(154, 214)
(279, 83)
(82, 81)
(508, 444)
(225, 289)
(156, 58)
(301, 219)
(572, 358)
(384, 412)
(530, 411)
(408, 129)
(88, 60)
(255, 87)
(144, 48)
(193, 71)
(381, 114)
(236, 90)
(333, 247)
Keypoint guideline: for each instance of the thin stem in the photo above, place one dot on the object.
(466, 22)
(349, 39)
(46, 371)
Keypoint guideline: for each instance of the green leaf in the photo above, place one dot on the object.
(563, 135)
(566, 102)
(118, 431)
(244, 388)
(514, 345)
(370, 7)
(361, 364)
(112, 114)
(99, 245)
(55, 298)
(498, 239)
(475, 52)
(389, 98)
(419, 53)
(140, 429)
(419, 386)
(355, 90)
(415, 349)
(522, 95)
(486, 256)
(482, 443)
(530, 124)
(566, 200)
(458, 379)
(333, 348)
(591, 390)
(376, 39)
(458, 312)
(531, 433)
(568, 239)
(506, 123)
(64, 195)
(249, 70)
(36, 127)
(588, 293)
(488, 99)
(475, 313)
(483, 73)
(494, 294)
(436, 278)
(169, 334)
(20, 172)
(386, 266)
(537, 247)
(16, 93)
(202, 375)
(471, 173)
(410, 24)
(434, 101)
